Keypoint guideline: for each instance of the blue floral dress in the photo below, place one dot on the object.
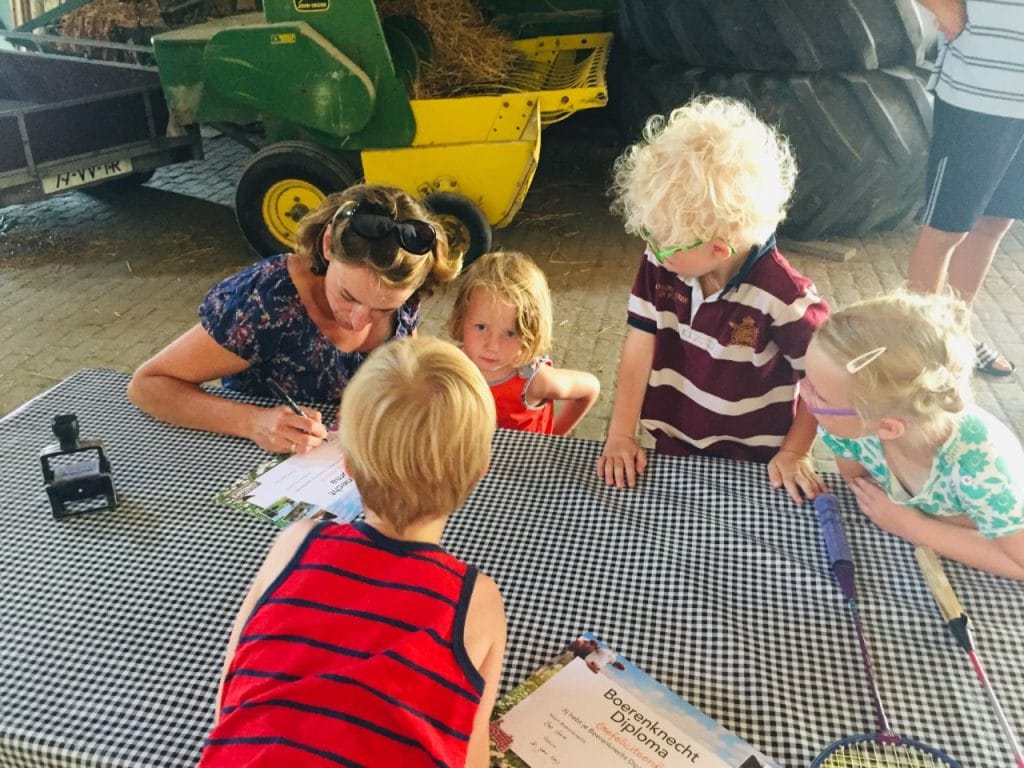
(976, 472)
(258, 315)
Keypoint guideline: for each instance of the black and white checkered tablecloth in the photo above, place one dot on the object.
(113, 625)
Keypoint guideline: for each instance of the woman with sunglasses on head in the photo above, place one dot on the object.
(889, 381)
(305, 320)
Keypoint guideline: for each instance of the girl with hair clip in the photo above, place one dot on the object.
(502, 320)
(888, 380)
(303, 321)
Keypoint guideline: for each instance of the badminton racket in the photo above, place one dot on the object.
(883, 748)
(957, 622)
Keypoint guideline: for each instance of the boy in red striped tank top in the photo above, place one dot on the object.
(367, 643)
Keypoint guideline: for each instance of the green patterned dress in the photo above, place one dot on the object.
(978, 472)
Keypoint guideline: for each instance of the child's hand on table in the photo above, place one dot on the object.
(621, 461)
(795, 472)
(887, 514)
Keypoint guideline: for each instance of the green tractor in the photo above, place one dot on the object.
(328, 85)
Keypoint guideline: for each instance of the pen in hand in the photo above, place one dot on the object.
(290, 403)
(285, 396)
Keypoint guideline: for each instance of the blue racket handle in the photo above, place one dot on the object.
(838, 547)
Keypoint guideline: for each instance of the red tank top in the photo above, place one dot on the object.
(513, 412)
(353, 656)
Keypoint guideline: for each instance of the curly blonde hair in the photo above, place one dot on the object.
(394, 266)
(928, 358)
(712, 169)
(514, 278)
(416, 426)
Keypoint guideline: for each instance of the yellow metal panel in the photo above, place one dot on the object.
(493, 174)
(522, 187)
(472, 119)
(567, 72)
(487, 147)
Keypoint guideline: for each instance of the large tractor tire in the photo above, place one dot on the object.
(629, 100)
(860, 138)
(464, 224)
(778, 35)
(283, 182)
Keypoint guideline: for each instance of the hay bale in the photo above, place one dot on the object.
(109, 19)
(469, 55)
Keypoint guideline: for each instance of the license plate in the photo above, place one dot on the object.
(86, 175)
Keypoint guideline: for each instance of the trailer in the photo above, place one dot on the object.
(319, 90)
(68, 122)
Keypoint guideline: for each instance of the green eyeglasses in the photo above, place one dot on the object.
(662, 254)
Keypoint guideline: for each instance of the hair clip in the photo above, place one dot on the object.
(861, 361)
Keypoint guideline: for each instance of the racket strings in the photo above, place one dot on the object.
(871, 754)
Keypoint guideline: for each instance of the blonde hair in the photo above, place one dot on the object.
(711, 169)
(416, 426)
(928, 358)
(514, 278)
(395, 267)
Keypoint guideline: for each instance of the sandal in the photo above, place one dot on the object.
(991, 362)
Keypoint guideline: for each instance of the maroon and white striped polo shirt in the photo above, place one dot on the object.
(725, 365)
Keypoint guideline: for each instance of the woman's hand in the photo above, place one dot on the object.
(621, 461)
(887, 514)
(279, 430)
(795, 471)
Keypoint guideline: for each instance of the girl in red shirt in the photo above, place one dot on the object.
(502, 319)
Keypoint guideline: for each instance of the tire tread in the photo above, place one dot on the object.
(861, 139)
(777, 35)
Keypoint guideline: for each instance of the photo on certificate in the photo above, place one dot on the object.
(591, 707)
(311, 486)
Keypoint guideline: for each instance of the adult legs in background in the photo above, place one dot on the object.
(962, 258)
(929, 261)
(975, 190)
(972, 258)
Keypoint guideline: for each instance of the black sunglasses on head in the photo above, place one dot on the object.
(374, 223)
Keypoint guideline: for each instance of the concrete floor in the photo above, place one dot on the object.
(105, 279)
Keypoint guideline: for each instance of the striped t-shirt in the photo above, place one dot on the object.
(723, 379)
(353, 657)
(982, 69)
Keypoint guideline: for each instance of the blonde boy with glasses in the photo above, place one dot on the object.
(719, 320)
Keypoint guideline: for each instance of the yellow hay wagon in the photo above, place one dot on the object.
(328, 84)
